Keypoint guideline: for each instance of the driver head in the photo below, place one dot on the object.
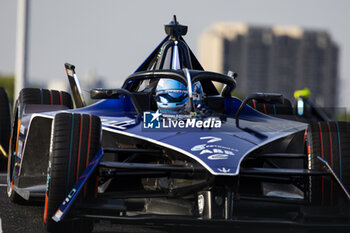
(171, 96)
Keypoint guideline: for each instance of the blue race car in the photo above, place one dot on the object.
(172, 145)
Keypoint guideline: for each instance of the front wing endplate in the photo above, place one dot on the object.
(69, 200)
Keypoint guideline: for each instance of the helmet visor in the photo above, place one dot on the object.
(172, 96)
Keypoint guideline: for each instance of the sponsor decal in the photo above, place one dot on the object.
(121, 125)
(211, 139)
(58, 213)
(206, 151)
(71, 193)
(47, 182)
(213, 151)
(153, 120)
(19, 149)
(218, 156)
(198, 147)
(68, 198)
(22, 129)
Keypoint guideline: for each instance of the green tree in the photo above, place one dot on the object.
(8, 82)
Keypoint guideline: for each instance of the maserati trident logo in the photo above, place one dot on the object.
(224, 170)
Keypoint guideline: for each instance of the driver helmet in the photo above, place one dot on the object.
(172, 95)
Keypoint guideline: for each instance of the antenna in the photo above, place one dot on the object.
(175, 21)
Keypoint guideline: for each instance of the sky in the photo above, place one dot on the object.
(111, 38)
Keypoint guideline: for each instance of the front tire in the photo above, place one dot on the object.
(75, 140)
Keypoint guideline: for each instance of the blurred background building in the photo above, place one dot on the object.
(274, 59)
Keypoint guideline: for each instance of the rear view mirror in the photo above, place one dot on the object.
(101, 93)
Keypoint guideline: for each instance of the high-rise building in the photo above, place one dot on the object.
(274, 59)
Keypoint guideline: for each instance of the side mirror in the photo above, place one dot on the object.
(101, 93)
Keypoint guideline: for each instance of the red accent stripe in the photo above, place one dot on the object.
(88, 150)
(50, 97)
(331, 157)
(264, 108)
(254, 104)
(79, 148)
(305, 133)
(61, 98)
(321, 143)
(46, 204)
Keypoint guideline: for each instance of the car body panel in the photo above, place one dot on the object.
(222, 157)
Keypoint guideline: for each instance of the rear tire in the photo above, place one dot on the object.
(45, 96)
(5, 127)
(75, 140)
(330, 141)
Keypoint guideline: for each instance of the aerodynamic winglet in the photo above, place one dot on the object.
(69, 200)
(75, 86)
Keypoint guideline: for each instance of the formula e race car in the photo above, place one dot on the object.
(172, 145)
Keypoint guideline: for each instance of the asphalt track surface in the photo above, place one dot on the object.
(16, 218)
